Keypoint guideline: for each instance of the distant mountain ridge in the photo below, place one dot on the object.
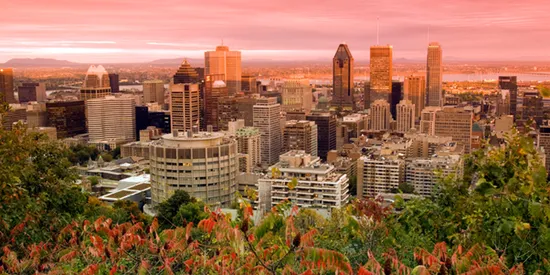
(39, 62)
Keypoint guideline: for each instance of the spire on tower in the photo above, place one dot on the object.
(377, 30)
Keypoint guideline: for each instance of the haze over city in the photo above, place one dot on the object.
(140, 31)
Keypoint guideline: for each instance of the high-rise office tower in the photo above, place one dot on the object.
(153, 91)
(267, 118)
(342, 79)
(214, 89)
(455, 123)
(213, 181)
(68, 117)
(112, 118)
(6, 86)
(510, 83)
(381, 72)
(185, 98)
(114, 83)
(248, 141)
(532, 106)
(248, 84)
(142, 119)
(414, 90)
(300, 135)
(232, 108)
(434, 75)
(405, 116)
(427, 120)
(396, 97)
(380, 115)
(326, 132)
(297, 96)
(503, 103)
(96, 84)
(31, 92)
(184, 106)
(226, 62)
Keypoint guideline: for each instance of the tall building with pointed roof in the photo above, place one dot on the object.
(342, 78)
(225, 62)
(185, 98)
(186, 74)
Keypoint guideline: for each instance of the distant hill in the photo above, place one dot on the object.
(39, 62)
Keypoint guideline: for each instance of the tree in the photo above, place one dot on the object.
(116, 153)
(94, 180)
(168, 210)
(107, 157)
(503, 203)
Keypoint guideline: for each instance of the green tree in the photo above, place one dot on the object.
(94, 180)
(503, 202)
(116, 153)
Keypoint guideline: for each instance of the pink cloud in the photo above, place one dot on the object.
(143, 30)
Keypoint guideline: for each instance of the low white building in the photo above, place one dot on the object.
(302, 179)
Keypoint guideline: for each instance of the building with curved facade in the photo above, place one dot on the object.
(204, 164)
(96, 84)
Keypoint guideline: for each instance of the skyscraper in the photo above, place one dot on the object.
(184, 98)
(297, 96)
(267, 119)
(184, 106)
(326, 132)
(510, 83)
(111, 118)
(248, 84)
(231, 108)
(153, 91)
(6, 86)
(381, 72)
(532, 106)
(248, 141)
(96, 84)
(405, 116)
(300, 135)
(226, 62)
(114, 83)
(68, 117)
(455, 123)
(415, 91)
(342, 78)
(380, 115)
(434, 75)
(396, 97)
(31, 92)
(214, 89)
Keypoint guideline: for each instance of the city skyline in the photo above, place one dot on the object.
(126, 31)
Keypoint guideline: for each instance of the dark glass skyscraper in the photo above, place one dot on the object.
(68, 117)
(342, 79)
(510, 83)
(142, 119)
(326, 132)
(114, 82)
(396, 96)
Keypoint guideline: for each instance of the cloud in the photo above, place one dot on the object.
(142, 30)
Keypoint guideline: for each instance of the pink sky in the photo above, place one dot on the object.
(143, 30)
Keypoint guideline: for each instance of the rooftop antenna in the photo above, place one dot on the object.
(377, 30)
(429, 34)
(222, 41)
